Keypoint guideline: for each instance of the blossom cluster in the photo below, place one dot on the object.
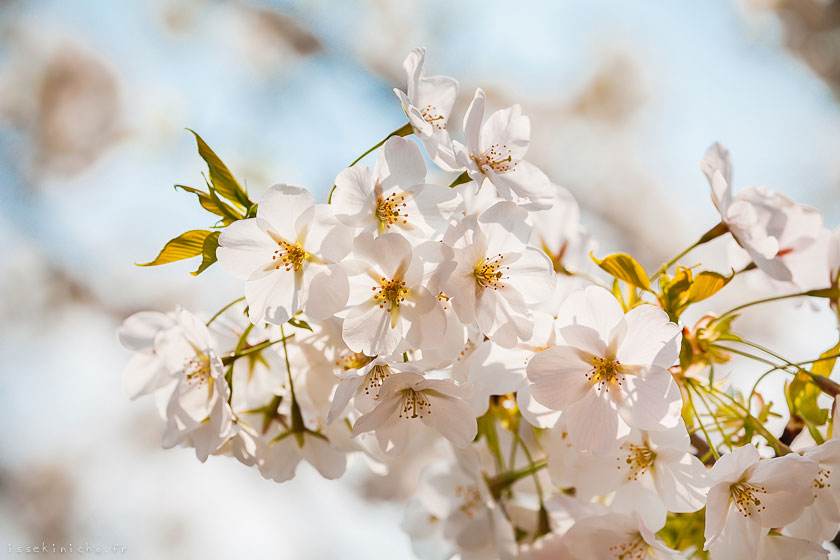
(463, 343)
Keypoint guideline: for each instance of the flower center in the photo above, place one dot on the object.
(497, 157)
(746, 497)
(821, 482)
(375, 378)
(289, 256)
(390, 210)
(443, 299)
(356, 360)
(637, 460)
(471, 499)
(605, 373)
(391, 293)
(634, 549)
(197, 370)
(415, 404)
(433, 117)
(490, 272)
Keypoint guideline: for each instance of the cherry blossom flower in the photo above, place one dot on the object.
(388, 301)
(615, 536)
(749, 494)
(495, 150)
(819, 522)
(286, 254)
(610, 372)
(360, 384)
(198, 408)
(428, 102)
(393, 197)
(409, 403)
(498, 277)
(454, 512)
(652, 473)
(768, 226)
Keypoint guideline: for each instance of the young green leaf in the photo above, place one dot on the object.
(186, 245)
(625, 268)
(802, 394)
(825, 367)
(300, 323)
(213, 204)
(220, 176)
(208, 252)
(706, 284)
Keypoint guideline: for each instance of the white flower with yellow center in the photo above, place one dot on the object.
(498, 278)
(389, 303)
(360, 384)
(819, 522)
(495, 150)
(393, 197)
(197, 412)
(750, 495)
(615, 537)
(287, 256)
(427, 103)
(609, 373)
(408, 403)
(453, 512)
(651, 474)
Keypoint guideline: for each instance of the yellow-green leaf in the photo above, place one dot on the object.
(802, 394)
(213, 204)
(186, 245)
(706, 284)
(208, 252)
(220, 176)
(825, 367)
(625, 268)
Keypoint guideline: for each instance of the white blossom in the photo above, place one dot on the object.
(409, 403)
(494, 153)
(609, 372)
(287, 256)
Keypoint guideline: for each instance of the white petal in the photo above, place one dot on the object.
(282, 205)
(244, 248)
(452, 418)
(384, 413)
(472, 123)
(367, 329)
(400, 164)
(718, 170)
(558, 377)
(652, 402)
(329, 461)
(143, 374)
(594, 425)
(272, 296)
(353, 200)
(138, 331)
(510, 129)
(718, 505)
(682, 484)
(592, 307)
(650, 339)
(533, 276)
(327, 292)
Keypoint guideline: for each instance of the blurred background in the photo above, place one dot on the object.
(94, 98)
